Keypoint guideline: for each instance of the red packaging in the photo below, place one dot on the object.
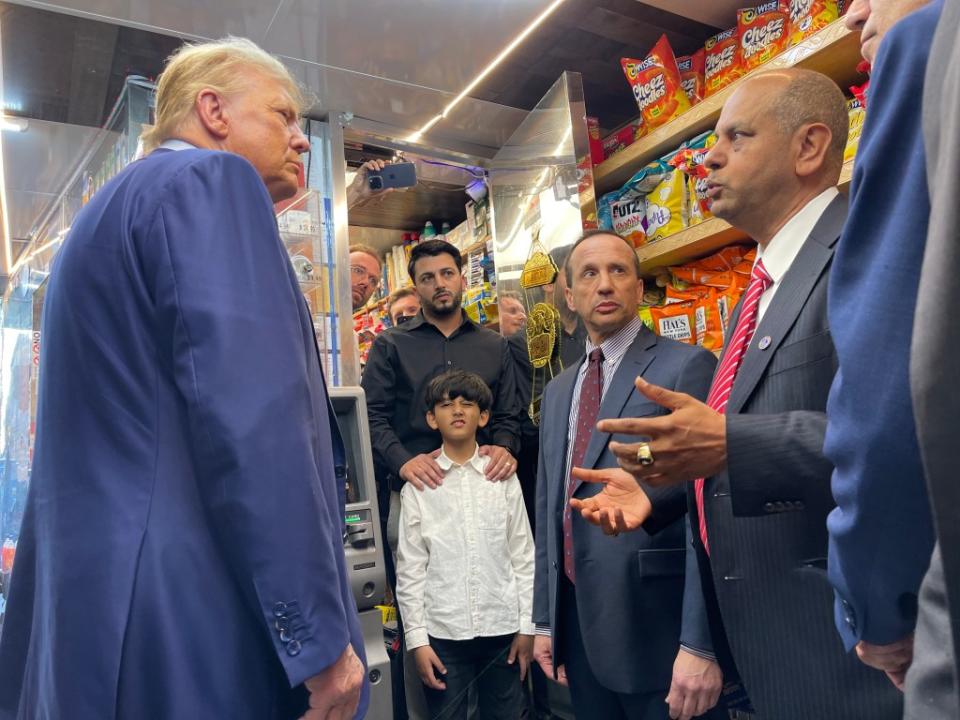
(722, 64)
(596, 144)
(764, 32)
(656, 85)
(691, 69)
(627, 135)
(810, 16)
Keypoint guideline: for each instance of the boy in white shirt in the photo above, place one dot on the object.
(465, 565)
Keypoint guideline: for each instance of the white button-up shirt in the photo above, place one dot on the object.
(784, 247)
(465, 557)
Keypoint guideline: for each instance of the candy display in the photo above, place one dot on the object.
(764, 32)
(691, 69)
(656, 85)
(722, 63)
(810, 16)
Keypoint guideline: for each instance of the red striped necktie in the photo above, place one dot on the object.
(726, 374)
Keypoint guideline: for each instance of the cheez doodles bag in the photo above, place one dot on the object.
(722, 63)
(764, 32)
(691, 69)
(656, 85)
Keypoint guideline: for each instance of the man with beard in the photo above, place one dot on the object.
(403, 361)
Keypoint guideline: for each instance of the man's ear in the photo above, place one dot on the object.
(484, 418)
(814, 145)
(432, 420)
(212, 113)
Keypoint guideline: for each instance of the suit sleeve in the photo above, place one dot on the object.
(378, 382)
(776, 462)
(228, 307)
(695, 626)
(541, 573)
(670, 503)
(506, 405)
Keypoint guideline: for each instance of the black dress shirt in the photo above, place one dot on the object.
(404, 359)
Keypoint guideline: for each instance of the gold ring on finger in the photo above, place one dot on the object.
(644, 456)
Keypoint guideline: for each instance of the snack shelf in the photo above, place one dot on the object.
(703, 239)
(834, 51)
(476, 247)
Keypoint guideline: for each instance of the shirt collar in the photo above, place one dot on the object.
(784, 247)
(616, 346)
(176, 144)
(477, 462)
(419, 320)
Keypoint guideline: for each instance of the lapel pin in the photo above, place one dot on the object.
(764, 342)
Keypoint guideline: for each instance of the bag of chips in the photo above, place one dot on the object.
(710, 330)
(630, 219)
(605, 209)
(656, 85)
(696, 276)
(727, 259)
(764, 32)
(691, 69)
(677, 321)
(723, 64)
(624, 137)
(692, 163)
(666, 207)
(646, 317)
(810, 16)
(857, 114)
(645, 180)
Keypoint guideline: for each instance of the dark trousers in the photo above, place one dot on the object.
(482, 662)
(591, 700)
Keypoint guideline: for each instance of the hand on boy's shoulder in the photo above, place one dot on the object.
(501, 464)
(423, 470)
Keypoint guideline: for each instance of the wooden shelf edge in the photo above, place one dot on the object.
(834, 51)
(703, 239)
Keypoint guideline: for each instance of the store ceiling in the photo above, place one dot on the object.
(395, 63)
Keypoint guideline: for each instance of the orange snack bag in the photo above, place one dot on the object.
(727, 259)
(810, 16)
(677, 321)
(696, 276)
(691, 69)
(656, 85)
(710, 329)
(764, 32)
(723, 64)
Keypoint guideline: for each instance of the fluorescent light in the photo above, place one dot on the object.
(488, 69)
(13, 124)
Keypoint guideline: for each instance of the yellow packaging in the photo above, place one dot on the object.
(646, 317)
(666, 207)
(857, 114)
(810, 16)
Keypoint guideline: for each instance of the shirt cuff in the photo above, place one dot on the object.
(543, 630)
(699, 653)
(415, 637)
(527, 628)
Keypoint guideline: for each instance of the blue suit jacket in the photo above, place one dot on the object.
(184, 492)
(881, 533)
(629, 588)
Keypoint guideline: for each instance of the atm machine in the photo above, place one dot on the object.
(363, 544)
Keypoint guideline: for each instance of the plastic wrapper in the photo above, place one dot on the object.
(605, 209)
(629, 218)
(810, 16)
(656, 85)
(666, 207)
(691, 160)
(691, 69)
(677, 321)
(723, 63)
(764, 32)
(624, 137)
(857, 114)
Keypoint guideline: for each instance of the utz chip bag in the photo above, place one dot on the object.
(656, 85)
(723, 64)
(630, 219)
(666, 207)
(810, 16)
(605, 209)
(691, 69)
(677, 321)
(857, 114)
(764, 32)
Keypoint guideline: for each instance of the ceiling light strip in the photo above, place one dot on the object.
(489, 68)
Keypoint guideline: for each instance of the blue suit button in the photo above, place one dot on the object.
(294, 648)
(286, 636)
(280, 609)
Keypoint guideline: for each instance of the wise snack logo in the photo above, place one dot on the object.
(655, 82)
(722, 63)
(764, 32)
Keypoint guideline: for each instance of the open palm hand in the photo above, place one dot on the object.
(622, 505)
